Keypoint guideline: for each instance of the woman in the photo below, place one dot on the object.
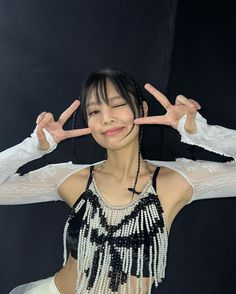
(116, 237)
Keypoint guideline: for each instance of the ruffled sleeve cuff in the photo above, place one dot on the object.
(13, 158)
(211, 137)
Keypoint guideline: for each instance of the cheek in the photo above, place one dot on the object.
(91, 124)
(95, 130)
(126, 116)
(94, 122)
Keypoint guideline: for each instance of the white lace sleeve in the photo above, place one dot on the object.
(209, 179)
(13, 158)
(40, 185)
(213, 138)
(37, 186)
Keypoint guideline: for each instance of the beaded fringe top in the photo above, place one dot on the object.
(115, 241)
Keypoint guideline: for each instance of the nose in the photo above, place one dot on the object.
(107, 116)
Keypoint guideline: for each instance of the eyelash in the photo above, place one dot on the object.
(119, 105)
(93, 112)
(96, 111)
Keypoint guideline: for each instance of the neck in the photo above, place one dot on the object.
(123, 163)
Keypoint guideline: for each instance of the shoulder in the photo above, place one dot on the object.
(171, 184)
(173, 191)
(72, 186)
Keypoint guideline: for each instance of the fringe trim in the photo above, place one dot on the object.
(106, 251)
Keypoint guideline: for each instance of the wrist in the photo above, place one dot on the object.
(47, 147)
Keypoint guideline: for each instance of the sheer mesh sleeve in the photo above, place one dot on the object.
(208, 179)
(40, 185)
(37, 186)
(13, 158)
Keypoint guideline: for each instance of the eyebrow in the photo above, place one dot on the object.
(110, 99)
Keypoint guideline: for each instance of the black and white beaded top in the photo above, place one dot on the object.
(113, 243)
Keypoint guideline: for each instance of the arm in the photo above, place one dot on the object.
(36, 186)
(33, 187)
(213, 138)
(208, 179)
(16, 156)
(42, 184)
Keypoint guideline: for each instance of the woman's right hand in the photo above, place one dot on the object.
(46, 121)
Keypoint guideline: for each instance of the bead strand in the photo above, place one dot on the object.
(112, 231)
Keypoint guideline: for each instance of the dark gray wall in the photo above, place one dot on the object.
(48, 47)
(202, 242)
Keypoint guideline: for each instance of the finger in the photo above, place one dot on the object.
(160, 119)
(47, 118)
(77, 133)
(158, 95)
(43, 143)
(190, 124)
(197, 105)
(190, 103)
(68, 112)
(40, 117)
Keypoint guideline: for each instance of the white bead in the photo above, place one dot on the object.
(86, 250)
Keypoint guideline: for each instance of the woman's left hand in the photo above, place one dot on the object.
(174, 112)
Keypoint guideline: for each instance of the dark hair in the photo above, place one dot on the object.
(124, 84)
(127, 88)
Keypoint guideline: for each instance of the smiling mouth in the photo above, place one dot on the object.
(112, 131)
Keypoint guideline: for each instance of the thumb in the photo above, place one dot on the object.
(43, 143)
(190, 125)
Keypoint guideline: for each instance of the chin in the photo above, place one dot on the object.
(118, 144)
(113, 146)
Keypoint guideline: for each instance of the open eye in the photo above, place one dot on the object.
(93, 112)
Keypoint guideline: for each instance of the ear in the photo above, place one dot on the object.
(145, 108)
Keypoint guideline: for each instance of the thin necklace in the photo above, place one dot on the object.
(133, 190)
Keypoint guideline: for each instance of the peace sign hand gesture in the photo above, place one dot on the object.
(174, 112)
(55, 128)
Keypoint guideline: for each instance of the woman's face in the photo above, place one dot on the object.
(112, 125)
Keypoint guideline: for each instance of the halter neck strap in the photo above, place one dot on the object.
(90, 176)
(154, 177)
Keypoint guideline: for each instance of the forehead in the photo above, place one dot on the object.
(101, 95)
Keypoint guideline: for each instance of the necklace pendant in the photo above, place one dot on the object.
(134, 191)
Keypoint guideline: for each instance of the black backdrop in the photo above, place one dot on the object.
(47, 47)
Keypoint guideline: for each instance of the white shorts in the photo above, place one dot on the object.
(45, 286)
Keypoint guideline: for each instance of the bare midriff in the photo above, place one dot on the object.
(66, 280)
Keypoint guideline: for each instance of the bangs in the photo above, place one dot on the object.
(99, 89)
(96, 84)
